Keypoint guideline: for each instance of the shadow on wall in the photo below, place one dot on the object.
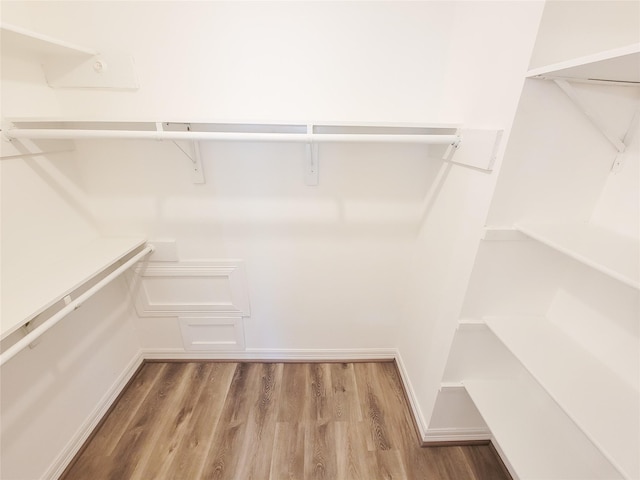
(259, 189)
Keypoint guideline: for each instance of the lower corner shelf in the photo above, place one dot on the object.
(537, 438)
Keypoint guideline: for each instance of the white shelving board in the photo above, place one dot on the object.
(24, 41)
(27, 295)
(580, 384)
(608, 252)
(617, 65)
(537, 438)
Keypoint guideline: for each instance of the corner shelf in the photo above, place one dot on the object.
(561, 402)
(536, 437)
(620, 65)
(579, 384)
(610, 253)
(31, 293)
(21, 40)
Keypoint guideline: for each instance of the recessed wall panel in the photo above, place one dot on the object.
(182, 288)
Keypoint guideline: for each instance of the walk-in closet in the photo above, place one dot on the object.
(451, 188)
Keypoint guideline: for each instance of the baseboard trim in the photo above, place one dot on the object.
(458, 436)
(283, 355)
(419, 421)
(74, 445)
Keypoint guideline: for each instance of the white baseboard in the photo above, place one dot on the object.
(413, 399)
(73, 446)
(456, 435)
(432, 435)
(273, 354)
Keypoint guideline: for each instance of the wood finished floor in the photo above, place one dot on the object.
(209, 420)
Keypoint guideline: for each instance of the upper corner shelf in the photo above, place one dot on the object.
(620, 66)
(23, 41)
(614, 255)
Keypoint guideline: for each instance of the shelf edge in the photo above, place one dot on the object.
(584, 60)
(578, 257)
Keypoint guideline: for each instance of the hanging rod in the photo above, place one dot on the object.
(71, 134)
(21, 344)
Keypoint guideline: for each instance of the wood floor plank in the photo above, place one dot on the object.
(195, 443)
(164, 433)
(354, 461)
(346, 404)
(390, 465)
(270, 421)
(320, 461)
(452, 463)
(319, 405)
(287, 461)
(255, 462)
(295, 393)
(226, 448)
(370, 395)
(483, 462)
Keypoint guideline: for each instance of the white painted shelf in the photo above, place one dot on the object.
(617, 65)
(23, 41)
(27, 294)
(580, 384)
(608, 252)
(537, 438)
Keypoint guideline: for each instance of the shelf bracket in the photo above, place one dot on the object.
(311, 167)
(26, 329)
(197, 173)
(568, 89)
(312, 161)
(479, 150)
(15, 148)
(628, 137)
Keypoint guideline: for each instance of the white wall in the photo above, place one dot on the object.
(49, 393)
(377, 255)
(326, 265)
(381, 61)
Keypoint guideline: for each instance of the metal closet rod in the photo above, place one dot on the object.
(69, 134)
(21, 344)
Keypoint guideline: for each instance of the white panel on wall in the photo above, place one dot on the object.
(219, 286)
(212, 333)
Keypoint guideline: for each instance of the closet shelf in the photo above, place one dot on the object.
(23, 41)
(615, 255)
(266, 132)
(30, 293)
(580, 384)
(620, 65)
(537, 438)
(467, 147)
